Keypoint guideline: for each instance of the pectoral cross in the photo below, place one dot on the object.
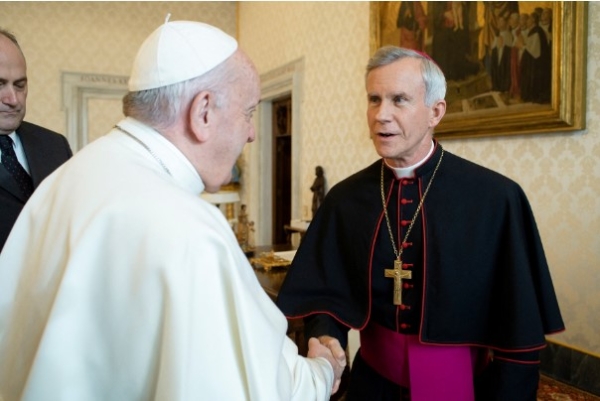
(398, 274)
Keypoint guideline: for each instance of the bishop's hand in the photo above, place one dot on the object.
(317, 349)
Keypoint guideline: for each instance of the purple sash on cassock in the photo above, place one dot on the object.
(431, 372)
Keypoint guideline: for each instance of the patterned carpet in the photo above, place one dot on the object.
(549, 390)
(552, 390)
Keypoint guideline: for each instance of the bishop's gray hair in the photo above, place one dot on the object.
(161, 107)
(433, 77)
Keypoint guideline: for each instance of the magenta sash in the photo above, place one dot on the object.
(431, 372)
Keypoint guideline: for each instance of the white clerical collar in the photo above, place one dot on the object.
(407, 172)
(177, 165)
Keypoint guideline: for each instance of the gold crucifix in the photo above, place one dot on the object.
(398, 274)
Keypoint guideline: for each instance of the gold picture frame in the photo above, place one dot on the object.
(494, 113)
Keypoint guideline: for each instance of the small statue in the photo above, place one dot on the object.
(318, 189)
(244, 229)
(250, 244)
(242, 226)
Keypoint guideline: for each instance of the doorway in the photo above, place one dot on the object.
(278, 84)
(282, 167)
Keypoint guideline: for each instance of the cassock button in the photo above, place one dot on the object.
(404, 201)
(406, 285)
(404, 307)
(404, 182)
(404, 326)
(405, 222)
(406, 244)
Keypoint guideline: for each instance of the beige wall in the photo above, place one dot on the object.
(560, 173)
(90, 37)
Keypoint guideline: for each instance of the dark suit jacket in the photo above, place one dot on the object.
(45, 151)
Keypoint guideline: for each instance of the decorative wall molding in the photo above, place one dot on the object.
(77, 89)
(276, 83)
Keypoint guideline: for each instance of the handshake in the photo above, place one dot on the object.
(329, 348)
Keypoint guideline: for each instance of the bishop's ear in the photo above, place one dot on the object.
(438, 109)
(202, 114)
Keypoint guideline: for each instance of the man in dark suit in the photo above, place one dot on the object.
(29, 152)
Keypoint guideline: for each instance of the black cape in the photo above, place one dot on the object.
(486, 280)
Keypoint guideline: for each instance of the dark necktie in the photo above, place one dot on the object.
(11, 163)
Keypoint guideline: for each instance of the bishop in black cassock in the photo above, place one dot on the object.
(436, 261)
(479, 274)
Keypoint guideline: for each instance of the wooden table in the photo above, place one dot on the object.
(271, 282)
(290, 230)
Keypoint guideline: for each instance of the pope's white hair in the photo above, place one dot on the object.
(162, 107)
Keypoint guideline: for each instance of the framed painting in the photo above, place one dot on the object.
(512, 67)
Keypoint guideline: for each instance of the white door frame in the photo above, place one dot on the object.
(77, 89)
(276, 83)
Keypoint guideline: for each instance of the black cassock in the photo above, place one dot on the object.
(479, 273)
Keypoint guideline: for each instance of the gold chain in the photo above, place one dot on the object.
(387, 217)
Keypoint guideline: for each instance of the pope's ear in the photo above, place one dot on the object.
(202, 114)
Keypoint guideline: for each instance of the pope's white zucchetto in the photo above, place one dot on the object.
(178, 51)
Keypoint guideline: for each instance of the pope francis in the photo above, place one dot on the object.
(118, 282)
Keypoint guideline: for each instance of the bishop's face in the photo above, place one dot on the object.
(13, 86)
(400, 124)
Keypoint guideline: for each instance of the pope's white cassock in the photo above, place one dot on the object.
(119, 282)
